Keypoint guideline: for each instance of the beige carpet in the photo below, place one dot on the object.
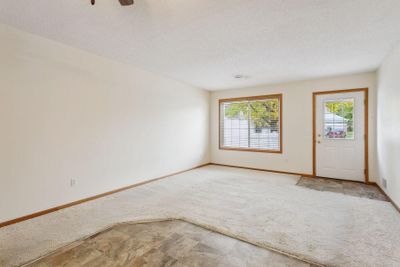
(264, 208)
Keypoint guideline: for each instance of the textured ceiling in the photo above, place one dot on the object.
(206, 42)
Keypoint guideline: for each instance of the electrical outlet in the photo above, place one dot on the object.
(384, 183)
(72, 182)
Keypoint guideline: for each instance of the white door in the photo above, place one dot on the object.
(340, 135)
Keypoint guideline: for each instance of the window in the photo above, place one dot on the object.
(251, 123)
(339, 119)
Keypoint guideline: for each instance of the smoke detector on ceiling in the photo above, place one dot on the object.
(240, 77)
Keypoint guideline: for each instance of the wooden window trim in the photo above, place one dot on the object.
(249, 98)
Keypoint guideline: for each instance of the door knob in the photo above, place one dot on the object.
(319, 142)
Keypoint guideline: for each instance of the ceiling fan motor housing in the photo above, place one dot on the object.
(126, 2)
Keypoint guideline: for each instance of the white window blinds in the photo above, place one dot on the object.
(252, 123)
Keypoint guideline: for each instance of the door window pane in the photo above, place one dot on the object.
(339, 119)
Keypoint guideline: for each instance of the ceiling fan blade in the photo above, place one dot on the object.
(126, 2)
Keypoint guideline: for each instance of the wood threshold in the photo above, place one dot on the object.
(341, 180)
(47, 211)
(366, 127)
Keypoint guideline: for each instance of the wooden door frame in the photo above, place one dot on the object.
(366, 140)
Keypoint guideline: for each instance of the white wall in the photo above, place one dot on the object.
(388, 124)
(297, 123)
(66, 114)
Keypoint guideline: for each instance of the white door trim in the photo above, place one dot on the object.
(365, 90)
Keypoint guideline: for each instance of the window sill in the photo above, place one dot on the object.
(252, 150)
